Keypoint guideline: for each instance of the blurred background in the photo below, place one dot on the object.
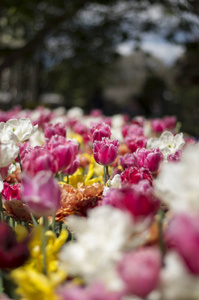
(139, 57)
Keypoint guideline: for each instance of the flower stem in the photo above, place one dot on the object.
(43, 244)
(53, 223)
(19, 158)
(106, 175)
(1, 282)
(34, 220)
(1, 209)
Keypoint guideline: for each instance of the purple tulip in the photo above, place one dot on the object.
(41, 193)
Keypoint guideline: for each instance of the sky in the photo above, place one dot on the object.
(156, 46)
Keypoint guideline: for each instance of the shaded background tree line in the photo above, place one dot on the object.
(70, 49)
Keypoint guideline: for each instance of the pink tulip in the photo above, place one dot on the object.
(170, 122)
(149, 159)
(4, 172)
(132, 130)
(174, 157)
(94, 291)
(50, 130)
(73, 168)
(134, 142)
(105, 151)
(138, 200)
(183, 235)
(41, 193)
(38, 159)
(140, 270)
(133, 175)
(100, 130)
(11, 191)
(96, 112)
(158, 125)
(64, 151)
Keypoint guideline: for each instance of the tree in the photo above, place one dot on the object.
(83, 35)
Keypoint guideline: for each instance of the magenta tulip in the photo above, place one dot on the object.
(138, 200)
(50, 130)
(72, 168)
(100, 130)
(105, 151)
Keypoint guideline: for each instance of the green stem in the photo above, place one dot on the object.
(1, 209)
(106, 175)
(43, 244)
(1, 282)
(60, 227)
(34, 220)
(53, 223)
(19, 158)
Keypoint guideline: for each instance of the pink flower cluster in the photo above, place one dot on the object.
(56, 155)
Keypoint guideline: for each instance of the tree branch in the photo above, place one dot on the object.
(32, 44)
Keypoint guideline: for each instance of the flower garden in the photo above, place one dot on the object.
(96, 207)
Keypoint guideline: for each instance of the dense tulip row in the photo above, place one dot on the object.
(97, 208)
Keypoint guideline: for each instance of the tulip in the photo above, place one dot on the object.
(105, 151)
(50, 130)
(133, 175)
(42, 158)
(12, 253)
(100, 130)
(11, 191)
(170, 122)
(41, 193)
(134, 142)
(158, 125)
(149, 159)
(182, 235)
(65, 154)
(140, 270)
(138, 200)
(72, 168)
(175, 157)
(93, 291)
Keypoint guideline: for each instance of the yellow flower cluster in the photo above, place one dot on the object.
(32, 283)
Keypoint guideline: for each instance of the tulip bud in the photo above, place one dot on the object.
(41, 193)
(105, 151)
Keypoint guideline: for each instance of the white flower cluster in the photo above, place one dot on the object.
(178, 183)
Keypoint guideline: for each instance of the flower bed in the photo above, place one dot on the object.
(97, 208)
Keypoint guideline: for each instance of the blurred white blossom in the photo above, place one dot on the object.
(100, 239)
(176, 282)
(178, 183)
(167, 143)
